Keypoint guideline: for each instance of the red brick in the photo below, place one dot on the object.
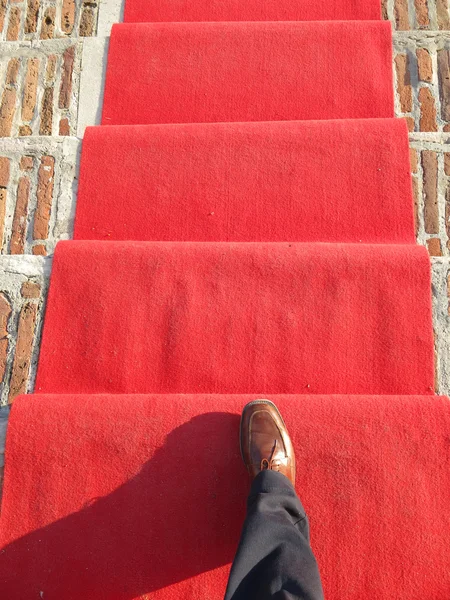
(48, 24)
(39, 250)
(32, 16)
(430, 192)
(12, 71)
(7, 110)
(422, 16)
(447, 210)
(66, 79)
(448, 292)
(4, 171)
(51, 68)
(401, 15)
(410, 123)
(434, 247)
(47, 112)
(24, 349)
(87, 22)
(444, 82)
(404, 86)
(442, 11)
(19, 226)
(5, 314)
(446, 128)
(3, 198)
(26, 163)
(427, 110)
(30, 89)
(447, 163)
(415, 187)
(68, 16)
(424, 65)
(3, 6)
(413, 160)
(25, 130)
(4, 343)
(64, 127)
(30, 289)
(14, 24)
(44, 198)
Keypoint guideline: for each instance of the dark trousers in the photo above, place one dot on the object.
(274, 558)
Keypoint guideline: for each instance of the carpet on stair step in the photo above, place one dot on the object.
(122, 497)
(137, 11)
(197, 317)
(251, 71)
(335, 181)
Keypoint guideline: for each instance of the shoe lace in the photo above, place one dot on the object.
(271, 463)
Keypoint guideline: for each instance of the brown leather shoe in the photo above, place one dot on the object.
(265, 442)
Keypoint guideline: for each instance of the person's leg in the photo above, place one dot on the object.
(274, 558)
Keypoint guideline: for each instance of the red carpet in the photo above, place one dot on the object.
(122, 497)
(206, 72)
(335, 181)
(116, 497)
(139, 11)
(134, 317)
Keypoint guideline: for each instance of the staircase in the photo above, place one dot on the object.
(244, 229)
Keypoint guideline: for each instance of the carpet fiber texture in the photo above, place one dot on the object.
(139, 11)
(213, 72)
(231, 155)
(329, 181)
(136, 317)
(121, 497)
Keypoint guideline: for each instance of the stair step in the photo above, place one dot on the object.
(137, 11)
(238, 317)
(278, 71)
(143, 496)
(333, 181)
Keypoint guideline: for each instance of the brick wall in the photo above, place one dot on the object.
(430, 166)
(39, 88)
(47, 19)
(37, 194)
(21, 301)
(24, 284)
(422, 80)
(426, 15)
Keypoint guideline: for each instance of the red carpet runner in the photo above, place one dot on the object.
(328, 181)
(119, 497)
(251, 10)
(206, 72)
(144, 496)
(238, 318)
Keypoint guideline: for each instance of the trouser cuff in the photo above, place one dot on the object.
(270, 481)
